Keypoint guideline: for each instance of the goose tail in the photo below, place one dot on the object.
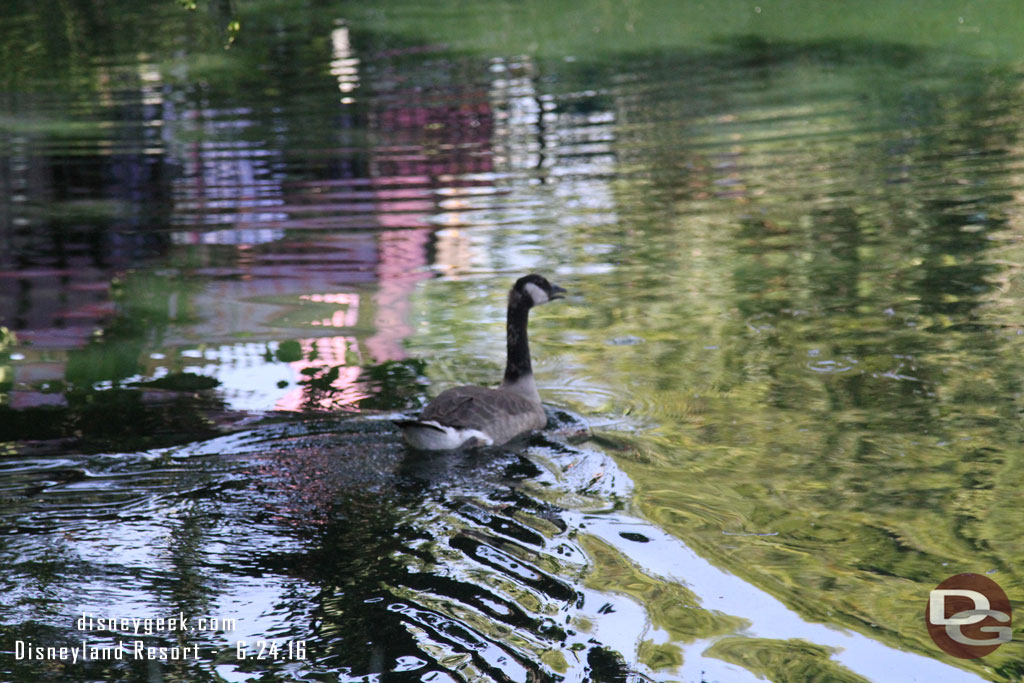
(430, 435)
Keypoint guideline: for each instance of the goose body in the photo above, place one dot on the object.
(479, 416)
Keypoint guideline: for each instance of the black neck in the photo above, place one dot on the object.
(518, 364)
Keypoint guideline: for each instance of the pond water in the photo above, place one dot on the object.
(784, 391)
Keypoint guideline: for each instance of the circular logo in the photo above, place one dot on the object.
(968, 616)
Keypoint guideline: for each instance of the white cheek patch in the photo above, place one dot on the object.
(538, 295)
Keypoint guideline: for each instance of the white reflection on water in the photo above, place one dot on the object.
(668, 557)
(344, 63)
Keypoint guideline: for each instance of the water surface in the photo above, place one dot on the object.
(784, 391)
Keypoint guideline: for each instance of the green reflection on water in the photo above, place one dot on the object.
(831, 353)
(670, 606)
(549, 29)
(836, 387)
(793, 660)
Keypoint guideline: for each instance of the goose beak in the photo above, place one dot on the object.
(557, 292)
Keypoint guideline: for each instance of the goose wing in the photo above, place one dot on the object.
(473, 407)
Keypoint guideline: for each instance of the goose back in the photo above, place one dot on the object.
(500, 414)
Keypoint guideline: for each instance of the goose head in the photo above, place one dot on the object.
(534, 290)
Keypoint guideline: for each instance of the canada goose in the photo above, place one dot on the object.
(477, 416)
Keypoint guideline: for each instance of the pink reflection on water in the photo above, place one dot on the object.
(256, 227)
(318, 354)
(399, 270)
(340, 318)
(20, 400)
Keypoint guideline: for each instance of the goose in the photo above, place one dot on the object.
(477, 416)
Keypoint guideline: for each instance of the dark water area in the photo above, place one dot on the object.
(783, 392)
